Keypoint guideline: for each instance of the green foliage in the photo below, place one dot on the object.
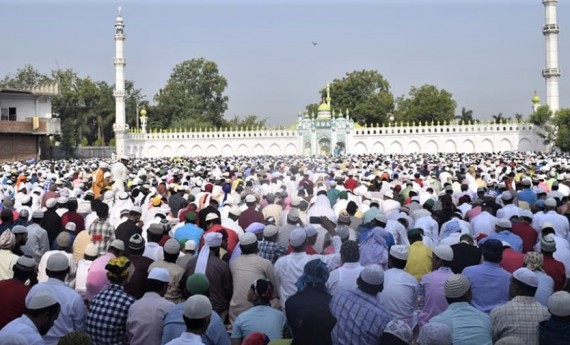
(500, 118)
(562, 121)
(25, 78)
(541, 116)
(545, 124)
(426, 104)
(194, 92)
(465, 117)
(366, 94)
(250, 121)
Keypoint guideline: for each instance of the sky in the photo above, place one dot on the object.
(487, 53)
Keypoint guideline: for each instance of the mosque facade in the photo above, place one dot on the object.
(324, 133)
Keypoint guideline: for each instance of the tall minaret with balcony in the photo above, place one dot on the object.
(120, 127)
(551, 72)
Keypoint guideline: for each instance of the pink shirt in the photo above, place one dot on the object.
(97, 277)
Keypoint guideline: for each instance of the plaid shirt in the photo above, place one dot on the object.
(360, 319)
(270, 250)
(102, 234)
(107, 319)
(520, 318)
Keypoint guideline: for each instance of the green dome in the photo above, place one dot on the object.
(324, 107)
(535, 99)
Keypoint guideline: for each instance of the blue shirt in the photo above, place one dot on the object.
(24, 327)
(489, 285)
(468, 325)
(514, 240)
(528, 195)
(189, 232)
(360, 318)
(261, 318)
(174, 326)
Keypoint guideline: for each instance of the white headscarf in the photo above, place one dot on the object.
(212, 239)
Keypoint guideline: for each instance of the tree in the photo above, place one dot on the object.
(250, 121)
(562, 121)
(545, 126)
(519, 118)
(365, 94)
(25, 78)
(426, 104)
(500, 118)
(465, 117)
(194, 91)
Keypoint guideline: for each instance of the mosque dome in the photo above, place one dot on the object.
(535, 99)
(324, 107)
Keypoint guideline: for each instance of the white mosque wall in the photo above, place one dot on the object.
(388, 140)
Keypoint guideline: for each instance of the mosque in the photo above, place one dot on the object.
(328, 132)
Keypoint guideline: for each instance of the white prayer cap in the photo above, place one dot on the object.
(456, 286)
(250, 198)
(51, 202)
(444, 252)
(372, 274)
(136, 209)
(526, 276)
(160, 274)
(118, 244)
(172, 246)
(70, 226)
(343, 232)
(235, 210)
(197, 307)
(381, 218)
(400, 329)
(293, 215)
(211, 216)
(270, 230)
(26, 263)
(559, 304)
(103, 165)
(506, 196)
(550, 202)
(62, 200)
(63, 239)
(91, 250)
(20, 229)
(527, 214)
(295, 201)
(213, 239)
(39, 299)
(297, 237)
(399, 252)
(247, 238)
(190, 245)
(310, 231)
(57, 262)
(504, 223)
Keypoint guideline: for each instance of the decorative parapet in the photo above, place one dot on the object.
(200, 133)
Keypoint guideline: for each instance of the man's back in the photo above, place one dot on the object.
(469, 325)
(520, 318)
(484, 278)
(464, 255)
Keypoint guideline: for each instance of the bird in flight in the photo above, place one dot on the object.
(314, 43)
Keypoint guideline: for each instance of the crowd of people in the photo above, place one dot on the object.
(377, 249)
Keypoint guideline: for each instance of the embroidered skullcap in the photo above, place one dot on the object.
(444, 252)
(39, 299)
(400, 329)
(434, 333)
(372, 274)
(297, 237)
(399, 252)
(547, 243)
(160, 274)
(197, 284)
(526, 276)
(63, 239)
(559, 304)
(533, 261)
(57, 262)
(247, 238)
(456, 286)
(197, 307)
(136, 242)
(343, 217)
(270, 230)
(172, 247)
(118, 267)
(343, 232)
(7, 239)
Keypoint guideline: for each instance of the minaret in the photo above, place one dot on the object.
(120, 127)
(551, 72)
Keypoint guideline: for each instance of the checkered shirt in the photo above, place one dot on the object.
(107, 319)
(271, 250)
(520, 318)
(360, 319)
(102, 234)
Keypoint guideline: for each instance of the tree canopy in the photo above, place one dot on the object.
(426, 104)
(194, 94)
